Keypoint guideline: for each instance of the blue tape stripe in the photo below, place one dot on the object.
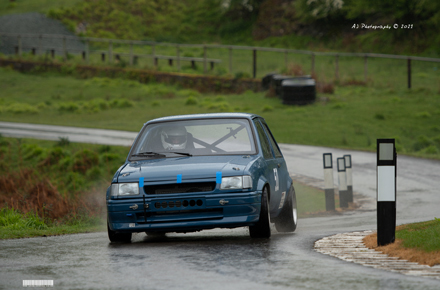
(218, 177)
(179, 178)
(141, 182)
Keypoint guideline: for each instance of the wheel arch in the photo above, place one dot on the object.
(263, 182)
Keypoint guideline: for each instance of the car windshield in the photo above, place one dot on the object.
(194, 137)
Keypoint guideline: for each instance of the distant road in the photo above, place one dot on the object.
(75, 134)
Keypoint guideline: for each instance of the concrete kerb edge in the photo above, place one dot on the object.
(349, 247)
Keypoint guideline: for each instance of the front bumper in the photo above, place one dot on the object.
(184, 213)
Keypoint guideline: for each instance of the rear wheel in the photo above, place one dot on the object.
(262, 228)
(288, 220)
(116, 237)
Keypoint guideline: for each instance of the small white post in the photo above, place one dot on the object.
(343, 201)
(328, 182)
(349, 175)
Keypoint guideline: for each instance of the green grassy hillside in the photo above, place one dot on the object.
(353, 117)
(316, 25)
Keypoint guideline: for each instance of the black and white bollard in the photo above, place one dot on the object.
(328, 182)
(349, 176)
(343, 199)
(386, 191)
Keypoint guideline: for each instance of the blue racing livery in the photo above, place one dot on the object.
(195, 172)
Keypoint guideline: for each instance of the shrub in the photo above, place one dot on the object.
(84, 160)
(121, 103)
(65, 163)
(379, 116)
(104, 149)
(20, 108)
(94, 173)
(53, 157)
(74, 181)
(431, 150)
(423, 115)
(242, 75)
(294, 69)
(188, 93)
(221, 107)
(68, 107)
(422, 142)
(338, 105)
(32, 151)
(63, 142)
(108, 157)
(191, 101)
(267, 108)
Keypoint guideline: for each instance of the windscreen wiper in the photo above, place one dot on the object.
(146, 154)
(181, 153)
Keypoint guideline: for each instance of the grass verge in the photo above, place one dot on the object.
(14, 224)
(52, 188)
(419, 242)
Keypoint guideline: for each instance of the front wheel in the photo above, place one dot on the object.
(116, 237)
(262, 228)
(288, 220)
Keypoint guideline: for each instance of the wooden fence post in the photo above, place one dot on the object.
(110, 51)
(409, 73)
(178, 57)
(131, 53)
(254, 68)
(313, 63)
(40, 45)
(230, 60)
(87, 51)
(365, 69)
(19, 45)
(64, 49)
(204, 59)
(337, 67)
(153, 54)
(286, 61)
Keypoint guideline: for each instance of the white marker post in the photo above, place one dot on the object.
(386, 191)
(343, 200)
(328, 182)
(349, 177)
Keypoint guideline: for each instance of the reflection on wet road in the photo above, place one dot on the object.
(216, 259)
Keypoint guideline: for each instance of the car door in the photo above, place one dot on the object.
(271, 170)
(282, 173)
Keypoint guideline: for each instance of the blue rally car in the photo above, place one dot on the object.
(194, 172)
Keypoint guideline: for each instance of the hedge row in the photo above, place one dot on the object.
(197, 82)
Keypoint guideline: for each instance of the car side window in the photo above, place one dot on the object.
(272, 141)
(267, 153)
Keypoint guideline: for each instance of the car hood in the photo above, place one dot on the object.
(196, 167)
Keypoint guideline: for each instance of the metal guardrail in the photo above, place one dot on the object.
(207, 60)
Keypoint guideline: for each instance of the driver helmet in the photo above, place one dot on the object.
(174, 138)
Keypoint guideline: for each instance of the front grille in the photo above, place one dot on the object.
(183, 215)
(178, 203)
(180, 188)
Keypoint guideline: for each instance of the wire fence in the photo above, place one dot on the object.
(233, 60)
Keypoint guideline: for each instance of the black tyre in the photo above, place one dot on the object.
(262, 228)
(288, 220)
(115, 237)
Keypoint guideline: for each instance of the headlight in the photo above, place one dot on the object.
(124, 189)
(236, 182)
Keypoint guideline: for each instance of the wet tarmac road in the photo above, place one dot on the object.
(229, 259)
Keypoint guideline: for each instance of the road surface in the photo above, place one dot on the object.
(224, 259)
